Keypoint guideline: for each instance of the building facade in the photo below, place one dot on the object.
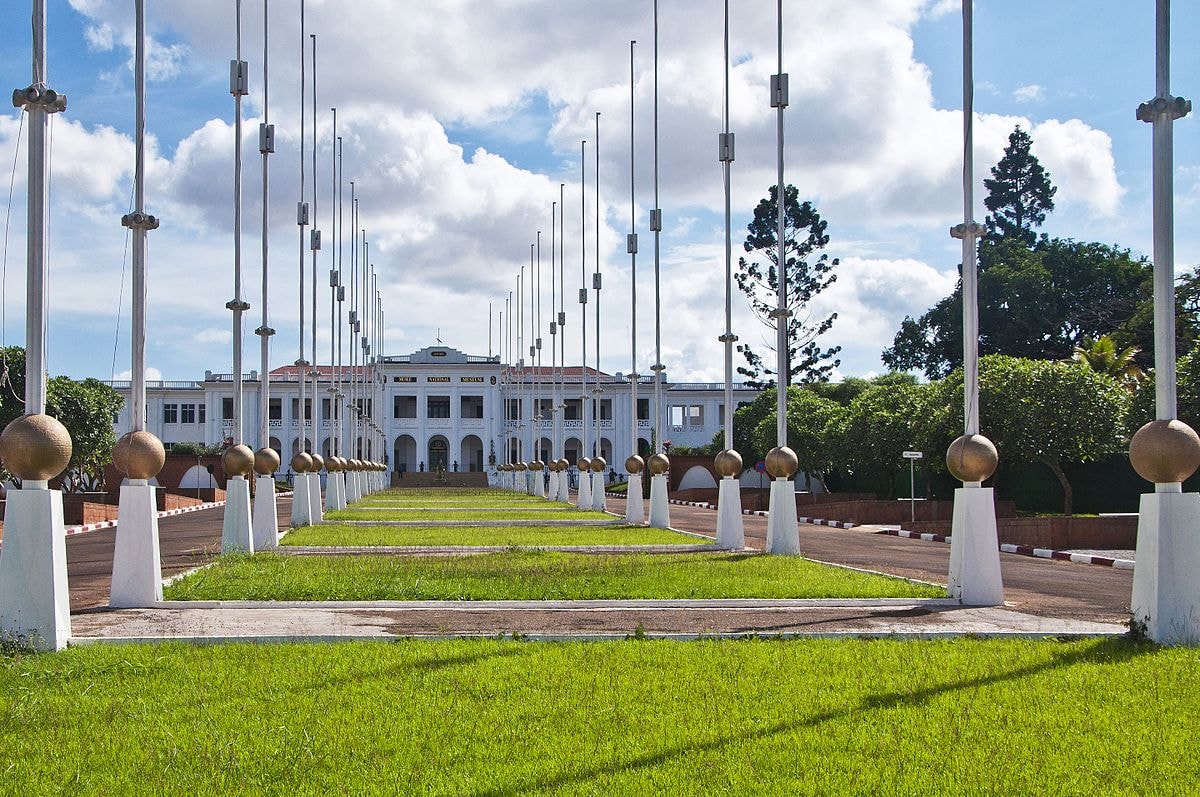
(438, 408)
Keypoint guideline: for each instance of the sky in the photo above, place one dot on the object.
(461, 119)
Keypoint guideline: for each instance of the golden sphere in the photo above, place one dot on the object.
(266, 461)
(598, 464)
(634, 464)
(302, 462)
(1165, 451)
(728, 463)
(35, 447)
(521, 466)
(659, 464)
(552, 465)
(782, 462)
(237, 460)
(972, 458)
(584, 464)
(535, 465)
(564, 465)
(139, 455)
(334, 464)
(354, 464)
(318, 463)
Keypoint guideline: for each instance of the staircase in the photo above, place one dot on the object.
(449, 479)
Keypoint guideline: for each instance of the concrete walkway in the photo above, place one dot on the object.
(1046, 598)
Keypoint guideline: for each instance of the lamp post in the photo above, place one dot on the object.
(1166, 451)
(314, 245)
(728, 463)
(659, 464)
(301, 461)
(974, 549)
(634, 464)
(598, 464)
(583, 498)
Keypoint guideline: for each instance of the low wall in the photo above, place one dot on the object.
(1104, 533)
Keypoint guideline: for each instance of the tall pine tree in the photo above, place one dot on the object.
(1019, 192)
(804, 235)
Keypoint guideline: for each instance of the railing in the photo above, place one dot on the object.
(437, 423)
(125, 384)
(643, 424)
(405, 423)
(274, 424)
(296, 424)
(471, 423)
(573, 424)
(706, 386)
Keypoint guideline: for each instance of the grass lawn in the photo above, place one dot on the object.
(335, 534)
(448, 495)
(631, 718)
(533, 575)
(433, 515)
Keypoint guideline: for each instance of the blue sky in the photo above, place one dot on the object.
(460, 120)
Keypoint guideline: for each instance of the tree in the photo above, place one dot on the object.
(1053, 412)
(1102, 356)
(804, 235)
(1019, 192)
(812, 423)
(880, 424)
(1038, 302)
(86, 408)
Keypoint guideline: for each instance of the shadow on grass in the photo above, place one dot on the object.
(431, 664)
(1107, 651)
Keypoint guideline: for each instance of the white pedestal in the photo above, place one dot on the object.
(235, 529)
(1166, 587)
(314, 497)
(331, 500)
(583, 498)
(538, 484)
(599, 502)
(265, 520)
(35, 605)
(564, 487)
(552, 490)
(635, 511)
(783, 533)
(975, 549)
(137, 567)
(341, 490)
(730, 533)
(301, 514)
(660, 509)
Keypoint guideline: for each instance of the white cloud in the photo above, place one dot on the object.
(1029, 93)
(152, 374)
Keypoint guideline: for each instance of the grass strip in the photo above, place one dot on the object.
(435, 515)
(490, 717)
(533, 575)
(335, 534)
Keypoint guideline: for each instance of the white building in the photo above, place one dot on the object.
(438, 407)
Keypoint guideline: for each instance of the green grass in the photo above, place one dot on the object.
(335, 534)
(533, 575)
(444, 494)
(630, 718)
(432, 515)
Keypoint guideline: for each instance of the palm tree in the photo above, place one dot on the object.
(1102, 355)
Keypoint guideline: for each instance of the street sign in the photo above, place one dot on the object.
(760, 466)
(913, 455)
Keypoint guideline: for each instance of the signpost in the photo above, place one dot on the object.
(912, 457)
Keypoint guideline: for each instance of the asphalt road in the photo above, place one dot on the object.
(1037, 586)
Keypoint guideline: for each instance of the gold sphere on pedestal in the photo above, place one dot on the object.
(335, 464)
(1164, 452)
(521, 466)
(139, 455)
(584, 464)
(318, 462)
(552, 466)
(266, 461)
(564, 465)
(301, 462)
(535, 465)
(237, 460)
(659, 464)
(782, 462)
(598, 464)
(35, 447)
(728, 463)
(972, 458)
(634, 464)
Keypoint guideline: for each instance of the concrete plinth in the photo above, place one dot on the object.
(34, 604)
(265, 518)
(340, 496)
(137, 567)
(537, 484)
(1166, 590)
(314, 497)
(552, 490)
(235, 529)
(331, 501)
(352, 491)
(975, 549)
(564, 487)
(660, 508)
(583, 498)
(730, 533)
(635, 510)
(301, 509)
(599, 502)
(783, 533)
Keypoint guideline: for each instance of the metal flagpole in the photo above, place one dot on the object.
(634, 464)
(584, 495)
(660, 516)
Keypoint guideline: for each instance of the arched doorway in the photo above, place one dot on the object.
(296, 446)
(573, 449)
(606, 450)
(644, 447)
(405, 454)
(470, 457)
(439, 452)
(275, 444)
(545, 449)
